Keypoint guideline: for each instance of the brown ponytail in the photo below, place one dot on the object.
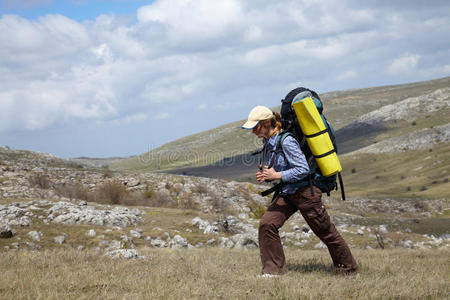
(276, 122)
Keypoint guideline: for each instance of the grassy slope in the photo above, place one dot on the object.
(225, 274)
(208, 147)
(391, 175)
(421, 174)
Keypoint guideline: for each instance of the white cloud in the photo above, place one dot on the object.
(347, 75)
(198, 19)
(404, 64)
(102, 52)
(161, 116)
(206, 54)
(202, 106)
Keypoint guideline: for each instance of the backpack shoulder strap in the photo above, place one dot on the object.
(279, 146)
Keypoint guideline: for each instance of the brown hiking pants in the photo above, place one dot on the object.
(314, 213)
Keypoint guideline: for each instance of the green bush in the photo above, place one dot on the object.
(257, 210)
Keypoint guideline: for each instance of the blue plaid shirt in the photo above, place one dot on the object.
(294, 168)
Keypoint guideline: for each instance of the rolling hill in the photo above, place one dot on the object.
(369, 123)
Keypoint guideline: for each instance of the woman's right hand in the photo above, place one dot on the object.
(260, 176)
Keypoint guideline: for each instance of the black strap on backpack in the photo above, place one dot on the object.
(276, 189)
(341, 183)
(278, 149)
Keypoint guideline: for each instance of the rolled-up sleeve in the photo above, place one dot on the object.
(297, 165)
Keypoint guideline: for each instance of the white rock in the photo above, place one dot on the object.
(382, 229)
(60, 239)
(6, 231)
(115, 244)
(124, 253)
(35, 236)
(178, 242)
(225, 242)
(135, 234)
(92, 233)
(158, 243)
(242, 240)
(320, 245)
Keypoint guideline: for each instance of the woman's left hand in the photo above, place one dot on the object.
(271, 174)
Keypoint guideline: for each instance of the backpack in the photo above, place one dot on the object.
(291, 126)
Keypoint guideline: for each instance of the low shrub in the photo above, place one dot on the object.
(107, 173)
(186, 201)
(74, 191)
(112, 192)
(421, 205)
(202, 188)
(257, 210)
(134, 199)
(160, 198)
(218, 203)
(40, 180)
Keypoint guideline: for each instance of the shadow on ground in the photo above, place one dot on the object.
(309, 267)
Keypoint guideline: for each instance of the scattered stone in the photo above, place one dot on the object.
(158, 243)
(225, 242)
(136, 234)
(243, 240)
(35, 236)
(124, 253)
(6, 231)
(60, 239)
(178, 242)
(205, 226)
(92, 233)
(382, 229)
(320, 245)
(103, 244)
(306, 228)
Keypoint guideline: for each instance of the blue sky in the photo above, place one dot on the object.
(79, 10)
(117, 78)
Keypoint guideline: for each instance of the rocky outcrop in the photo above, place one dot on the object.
(69, 213)
(418, 140)
(407, 109)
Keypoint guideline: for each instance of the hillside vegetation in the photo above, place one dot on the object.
(77, 229)
(406, 126)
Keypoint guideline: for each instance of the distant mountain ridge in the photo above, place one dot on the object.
(348, 111)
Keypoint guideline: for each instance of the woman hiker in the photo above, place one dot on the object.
(291, 167)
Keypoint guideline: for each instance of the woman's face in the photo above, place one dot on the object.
(260, 130)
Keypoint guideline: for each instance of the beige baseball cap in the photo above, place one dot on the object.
(258, 113)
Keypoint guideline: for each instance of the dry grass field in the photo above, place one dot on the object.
(212, 273)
